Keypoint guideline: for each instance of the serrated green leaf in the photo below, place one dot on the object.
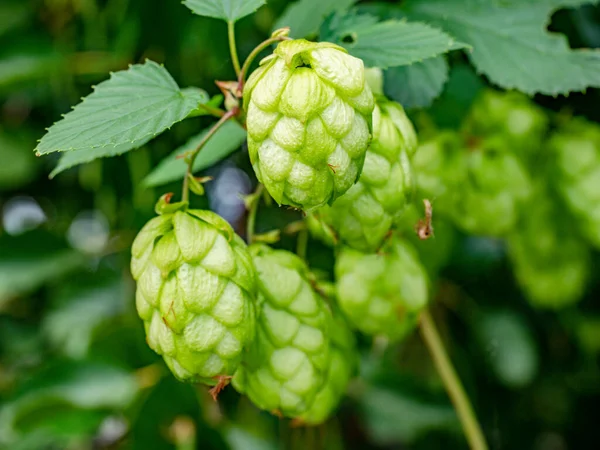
(511, 44)
(417, 85)
(122, 113)
(227, 139)
(229, 10)
(386, 44)
(305, 17)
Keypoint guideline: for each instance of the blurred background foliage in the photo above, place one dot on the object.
(75, 371)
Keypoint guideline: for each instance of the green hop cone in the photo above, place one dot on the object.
(550, 261)
(576, 149)
(286, 365)
(343, 361)
(195, 291)
(364, 215)
(309, 120)
(382, 294)
(512, 116)
(489, 199)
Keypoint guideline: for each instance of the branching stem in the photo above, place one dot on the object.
(454, 387)
(185, 194)
(232, 47)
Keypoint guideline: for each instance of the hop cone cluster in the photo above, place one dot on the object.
(550, 261)
(195, 293)
(342, 364)
(382, 294)
(363, 216)
(577, 159)
(288, 362)
(309, 120)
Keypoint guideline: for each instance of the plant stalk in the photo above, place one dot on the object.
(251, 220)
(232, 47)
(452, 383)
(253, 54)
(185, 194)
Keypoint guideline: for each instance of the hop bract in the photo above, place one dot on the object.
(288, 361)
(309, 121)
(382, 294)
(342, 364)
(363, 216)
(576, 149)
(550, 260)
(195, 291)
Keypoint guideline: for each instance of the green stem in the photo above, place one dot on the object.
(185, 194)
(232, 47)
(302, 243)
(251, 221)
(454, 387)
(253, 54)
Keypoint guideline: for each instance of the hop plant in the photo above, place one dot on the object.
(549, 260)
(576, 150)
(510, 117)
(309, 121)
(289, 359)
(382, 294)
(195, 293)
(363, 216)
(342, 364)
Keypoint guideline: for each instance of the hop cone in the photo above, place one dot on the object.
(363, 216)
(289, 358)
(382, 294)
(577, 153)
(510, 116)
(342, 363)
(550, 261)
(308, 120)
(195, 288)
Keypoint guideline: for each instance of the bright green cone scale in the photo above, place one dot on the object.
(342, 364)
(195, 293)
(309, 120)
(550, 261)
(577, 164)
(288, 361)
(382, 294)
(364, 215)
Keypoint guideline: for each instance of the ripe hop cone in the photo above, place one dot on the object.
(343, 361)
(195, 293)
(510, 116)
(382, 294)
(489, 199)
(364, 215)
(576, 151)
(549, 259)
(309, 121)
(286, 365)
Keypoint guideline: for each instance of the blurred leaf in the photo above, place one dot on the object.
(19, 68)
(19, 165)
(240, 438)
(82, 310)
(121, 114)
(227, 139)
(305, 17)
(511, 44)
(462, 88)
(386, 44)
(392, 416)
(30, 260)
(12, 15)
(61, 387)
(228, 10)
(588, 333)
(509, 347)
(417, 85)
